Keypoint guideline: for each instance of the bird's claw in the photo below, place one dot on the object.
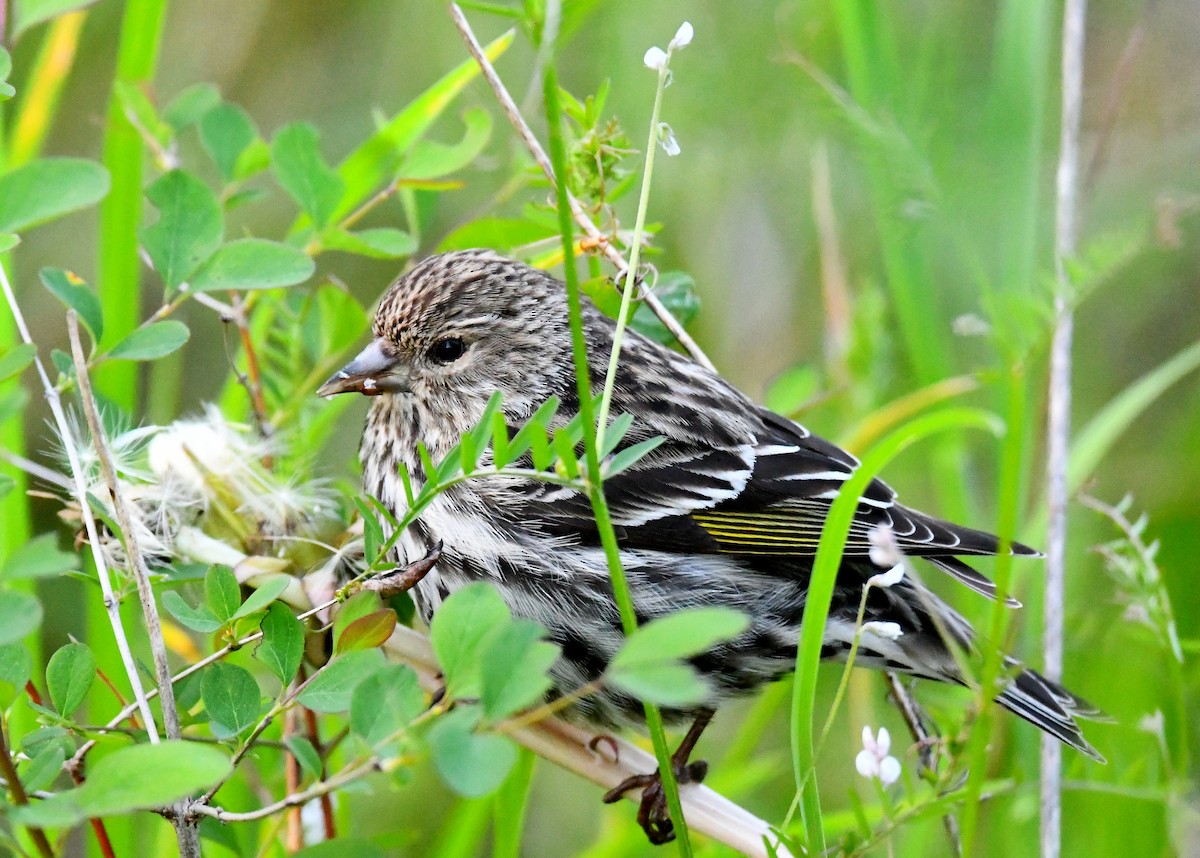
(653, 814)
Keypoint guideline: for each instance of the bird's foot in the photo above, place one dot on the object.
(653, 814)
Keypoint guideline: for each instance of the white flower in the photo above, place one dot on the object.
(666, 137)
(873, 760)
(884, 551)
(890, 631)
(889, 578)
(683, 36)
(970, 325)
(656, 58)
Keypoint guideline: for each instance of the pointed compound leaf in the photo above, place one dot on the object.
(222, 592)
(333, 686)
(367, 632)
(15, 360)
(40, 557)
(69, 676)
(461, 630)
(514, 669)
(377, 243)
(191, 104)
(253, 263)
(148, 776)
(617, 429)
(682, 634)
(472, 764)
(266, 593)
(225, 132)
(20, 615)
(198, 619)
(677, 292)
(158, 339)
(48, 188)
(431, 160)
(374, 163)
(67, 287)
(630, 456)
(306, 755)
(386, 703)
(282, 644)
(16, 664)
(41, 771)
(231, 698)
(301, 171)
(188, 229)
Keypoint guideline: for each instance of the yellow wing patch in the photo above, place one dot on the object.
(781, 530)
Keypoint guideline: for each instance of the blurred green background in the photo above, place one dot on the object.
(937, 124)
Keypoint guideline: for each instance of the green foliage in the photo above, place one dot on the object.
(48, 188)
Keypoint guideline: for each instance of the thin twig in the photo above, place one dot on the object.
(1059, 420)
(317, 790)
(186, 832)
(111, 605)
(581, 217)
(19, 796)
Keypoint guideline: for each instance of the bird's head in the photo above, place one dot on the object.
(460, 326)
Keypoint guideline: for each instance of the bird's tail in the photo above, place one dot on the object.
(1051, 707)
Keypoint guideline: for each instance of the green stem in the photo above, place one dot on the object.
(604, 526)
(630, 284)
(820, 594)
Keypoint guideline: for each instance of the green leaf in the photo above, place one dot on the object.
(300, 170)
(141, 113)
(380, 243)
(677, 292)
(459, 631)
(29, 13)
(514, 669)
(39, 558)
(41, 771)
(649, 665)
(359, 847)
(148, 776)
(263, 595)
(374, 163)
(504, 234)
(331, 689)
(385, 703)
(188, 229)
(158, 339)
(367, 632)
(472, 764)
(16, 664)
(431, 160)
(49, 188)
(253, 263)
(231, 698)
(67, 287)
(69, 676)
(361, 603)
(667, 683)
(306, 755)
(16, 359)
(6, 90)
(20, 615)
(282, 644)
(191, 104)
(225, 132)
(630, 456)
(198, 619)
(222, 592)
(8, 240)
(792, 389)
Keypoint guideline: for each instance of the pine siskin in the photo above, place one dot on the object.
(726, 511)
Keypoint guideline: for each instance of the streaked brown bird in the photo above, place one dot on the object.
(727, 510)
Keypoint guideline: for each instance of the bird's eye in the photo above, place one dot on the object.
(448, 350)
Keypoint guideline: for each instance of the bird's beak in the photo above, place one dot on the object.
(371, 373)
